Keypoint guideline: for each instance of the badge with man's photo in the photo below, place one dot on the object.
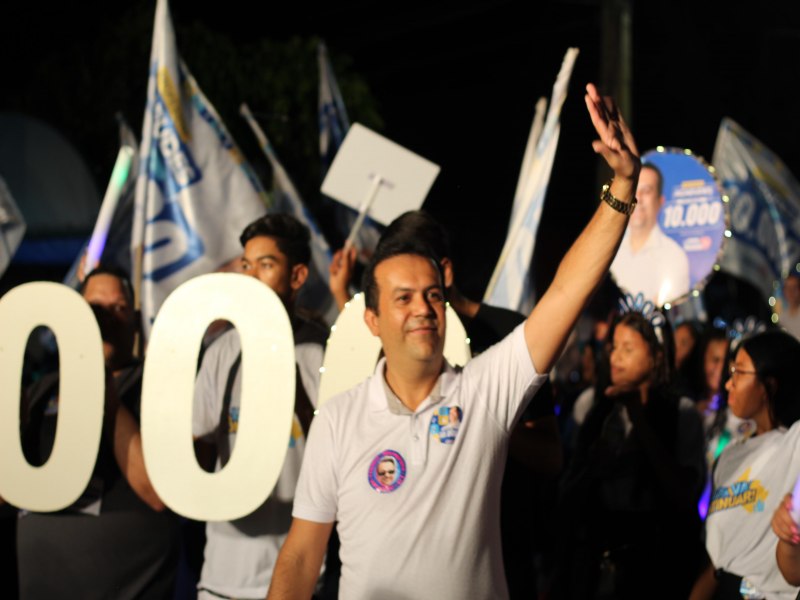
(445, 423)
(387, 471)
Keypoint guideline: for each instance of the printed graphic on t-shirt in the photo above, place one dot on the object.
(445, 423)
(297, 432)
(744, 492)
(233, 419)
(233, 426)
(387, 471)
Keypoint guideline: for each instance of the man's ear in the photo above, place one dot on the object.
(299, 276)
(371, 319)
(447, 272)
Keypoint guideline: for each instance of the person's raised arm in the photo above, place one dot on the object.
(341, 272)
(300, 560)
(126, 440)
(787, 553)
(587, 261)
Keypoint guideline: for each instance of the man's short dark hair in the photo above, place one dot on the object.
(659, 175)
(291, 236)
(420, 226)
(120, 274)
(392, 245)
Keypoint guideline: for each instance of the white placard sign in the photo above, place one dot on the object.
(267, 397)
(352, 350)
(365, 155)
(62, 479)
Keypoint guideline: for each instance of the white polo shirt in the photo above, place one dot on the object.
(417, 494)
(750, 481)
(659, 263)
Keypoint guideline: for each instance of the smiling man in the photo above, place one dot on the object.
(438, 520)
(649, 261)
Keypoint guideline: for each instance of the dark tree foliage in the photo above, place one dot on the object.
(78, 71)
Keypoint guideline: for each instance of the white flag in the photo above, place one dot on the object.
(195, 192)
(333, 127)
(764, 208)
(315, 294)
(510, 286)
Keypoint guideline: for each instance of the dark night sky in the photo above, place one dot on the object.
(458, 83)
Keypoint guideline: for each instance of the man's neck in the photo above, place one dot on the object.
(638, 238)
(412, 383)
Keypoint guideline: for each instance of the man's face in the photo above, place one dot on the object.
(263, 260)
(645, 215)
(411, 309)
(115, 316)
(386, 472)
(791, 291)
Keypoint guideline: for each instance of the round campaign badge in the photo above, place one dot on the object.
(445, 423)
(387, 471)
(676, 234)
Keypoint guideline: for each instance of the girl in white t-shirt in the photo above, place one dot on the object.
(752, 475)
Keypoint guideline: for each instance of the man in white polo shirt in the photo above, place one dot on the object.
(649, 261)
(432, 530)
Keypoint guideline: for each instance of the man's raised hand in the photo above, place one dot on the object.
(616, 143)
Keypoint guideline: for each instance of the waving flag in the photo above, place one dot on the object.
(764, 209)
(333, 126)
(315, 294)
(195, 192)
(510, 286)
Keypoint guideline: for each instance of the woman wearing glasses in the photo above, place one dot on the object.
(751, 476)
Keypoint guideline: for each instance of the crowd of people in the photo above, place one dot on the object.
(657, 460)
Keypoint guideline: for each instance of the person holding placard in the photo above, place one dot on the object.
(240, 555)
(648, 260)
(751, 475)
(443, 502)
(117, 540)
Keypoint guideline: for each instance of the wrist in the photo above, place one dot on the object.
(624, 188)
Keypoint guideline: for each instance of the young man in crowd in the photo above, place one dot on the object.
(240, 555)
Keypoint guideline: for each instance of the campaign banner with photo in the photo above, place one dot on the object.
(676, 234)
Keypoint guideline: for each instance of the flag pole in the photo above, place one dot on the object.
(377, 180)
(119, 176)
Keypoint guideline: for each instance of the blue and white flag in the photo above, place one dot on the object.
(511, 286)
(333, 127)
(195, 192)
(315, 294)
(764, 209)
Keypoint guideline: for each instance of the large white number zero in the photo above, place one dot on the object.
(267, 396)
(62, 479)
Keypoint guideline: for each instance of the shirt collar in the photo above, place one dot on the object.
(652, 241)
(382, 397)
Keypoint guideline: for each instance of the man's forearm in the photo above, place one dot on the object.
(580, 272)
(300, 561)
(292, 578)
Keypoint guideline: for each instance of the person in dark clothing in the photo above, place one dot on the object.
(118, 540)
(628, 500)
